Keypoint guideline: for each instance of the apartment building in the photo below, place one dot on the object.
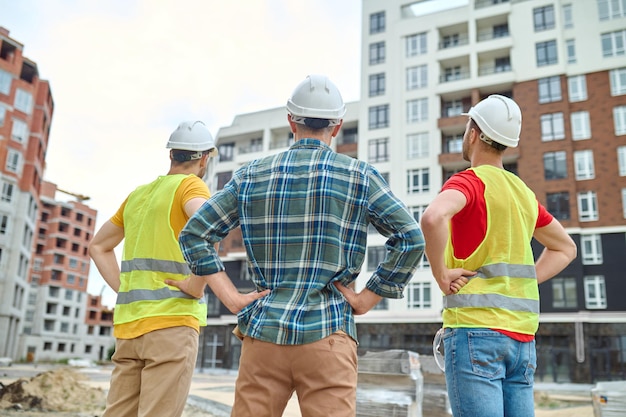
(423, 64)
(61, 319)
(26, 108)
(564, 63)
(45, 311)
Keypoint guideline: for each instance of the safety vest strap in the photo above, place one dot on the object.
(506, 270)
(157, 265)
(152, 295)
(491, 301)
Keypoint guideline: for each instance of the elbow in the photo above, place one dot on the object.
(91, 250)
(572, 251)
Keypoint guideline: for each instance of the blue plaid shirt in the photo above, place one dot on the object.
(304, 215)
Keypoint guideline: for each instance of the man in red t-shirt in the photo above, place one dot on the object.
(478, 234)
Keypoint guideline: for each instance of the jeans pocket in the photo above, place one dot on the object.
(487, 352)
(531, 365)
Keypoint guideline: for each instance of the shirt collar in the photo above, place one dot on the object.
(309, 143)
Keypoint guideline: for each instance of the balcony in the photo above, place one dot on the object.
(479, 4)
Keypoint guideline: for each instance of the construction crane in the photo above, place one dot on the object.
(79, 197)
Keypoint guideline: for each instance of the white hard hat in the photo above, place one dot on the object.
(499, 118)
(316, 98)
(192, 136)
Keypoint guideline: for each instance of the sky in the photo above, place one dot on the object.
(124, 73)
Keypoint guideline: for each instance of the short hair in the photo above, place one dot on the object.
(180, 155)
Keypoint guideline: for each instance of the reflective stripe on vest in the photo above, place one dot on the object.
(152, 295)
(147, 264)
(491, 301)
(496, 300)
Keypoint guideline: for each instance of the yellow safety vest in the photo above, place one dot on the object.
(151, 254)
(504, 294)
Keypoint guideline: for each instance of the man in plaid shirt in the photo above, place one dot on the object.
(304, 215)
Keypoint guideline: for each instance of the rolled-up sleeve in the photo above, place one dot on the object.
(405, 243)
(207, 226)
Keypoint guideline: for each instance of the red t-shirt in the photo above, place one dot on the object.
(469, 225)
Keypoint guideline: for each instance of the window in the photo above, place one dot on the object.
(591, 248)
(500, 31)
(19, 132)
(624, 202)
(611, 9)
(377, 84)
(503, 64)
(378, 116)
(621, 160)
(349, 135)
(378, 150)
(418, 145)
(543, 18)
(564, 292)
(587, 206)
(416, 77)
(3, 113)
(549, 89)
(558, 205)
(595, 292)
(5, 82)
(417, 212)
(24, 101)
(570, 51)
(580, 125)
(453, 143)
(452, 73)
(226, 151)
(417, 110)
(552, 127)
(618, 81)
(418, 295)
(7, 192)
(14, 161)
(546, 53)
(377, 22)
(450, 41)
(613, 43)
(377, 53)
(568, 17)
(375, 256)
(4, 224)
(583, 165)
(418, 181)
(223, 178)
(416, 45)
(554, 165)
(619, 118)
(452, 108)
(577, 88)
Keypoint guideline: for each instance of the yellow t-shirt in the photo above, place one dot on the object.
(190, 188)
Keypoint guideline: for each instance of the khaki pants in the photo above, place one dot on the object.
(152, 374)
(323, 374)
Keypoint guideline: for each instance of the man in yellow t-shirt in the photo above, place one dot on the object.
(156, 326)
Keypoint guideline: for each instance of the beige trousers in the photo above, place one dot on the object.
(323, 374)
(152, 374)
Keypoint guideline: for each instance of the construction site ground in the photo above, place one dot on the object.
(63, 391)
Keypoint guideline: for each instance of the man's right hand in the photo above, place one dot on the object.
(192, 285)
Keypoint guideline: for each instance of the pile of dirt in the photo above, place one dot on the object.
(62, 389)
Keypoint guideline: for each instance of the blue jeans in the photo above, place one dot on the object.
(489, 374)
